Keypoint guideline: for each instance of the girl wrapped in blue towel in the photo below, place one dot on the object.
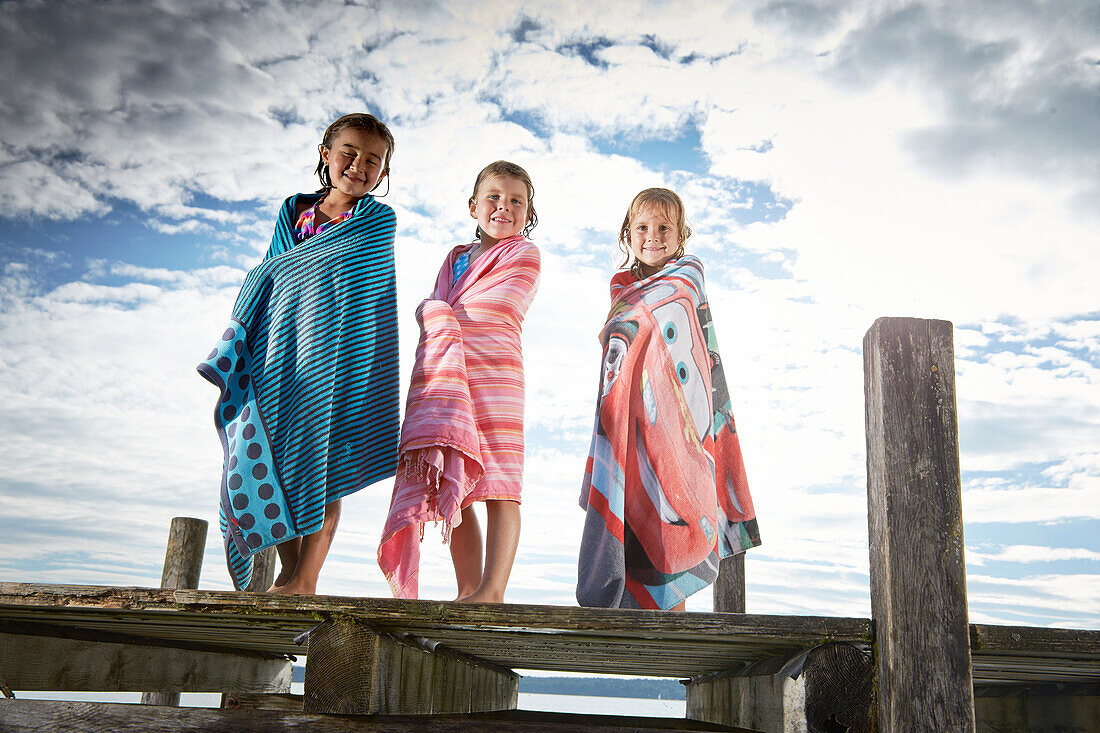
(307, 368)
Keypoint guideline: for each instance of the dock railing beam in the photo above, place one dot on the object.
(182, 567)
(914, 508)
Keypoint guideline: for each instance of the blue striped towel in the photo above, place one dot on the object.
(308, 374)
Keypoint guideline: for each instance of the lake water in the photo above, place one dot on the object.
(643, 706)
(527, 701)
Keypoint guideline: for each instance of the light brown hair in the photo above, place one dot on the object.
(358, 121)
(672, 207)
(504, 168)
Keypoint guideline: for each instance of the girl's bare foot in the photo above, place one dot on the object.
(482, 596)
(284, 578)
(294, 587)
(289, 555)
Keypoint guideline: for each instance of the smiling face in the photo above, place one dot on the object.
(654, 238)
(500, 207)
(356, 161)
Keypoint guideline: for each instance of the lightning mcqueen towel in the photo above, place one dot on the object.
(665, 488)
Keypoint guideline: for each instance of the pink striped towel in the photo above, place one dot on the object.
(462, 437)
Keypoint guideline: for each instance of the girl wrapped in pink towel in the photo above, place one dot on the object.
(462, 436)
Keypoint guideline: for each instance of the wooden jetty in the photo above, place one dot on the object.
(398, 665)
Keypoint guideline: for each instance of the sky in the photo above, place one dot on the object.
(839, 161)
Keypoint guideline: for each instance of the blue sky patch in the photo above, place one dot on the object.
(684, 151)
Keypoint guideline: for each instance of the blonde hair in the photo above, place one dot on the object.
(504, 168)
(673, 208)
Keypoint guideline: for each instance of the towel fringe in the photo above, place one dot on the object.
(416, 467)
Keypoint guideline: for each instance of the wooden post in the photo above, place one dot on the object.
(914, 502)
(263, 570)
(351, 670)
(729, 586)
(182, 566)
(827, 688)
(263, 575)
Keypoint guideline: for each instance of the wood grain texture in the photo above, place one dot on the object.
(729, 586)
(50, 663)
(828, 688)
(263, 570)
(596, 641)
(839, 689)
(918, 577)
(183, 556)
(341, 670)
(1038, 714)
(42, 716)
(350, 669)
(284, 702)
(182, 568)
(543, 637)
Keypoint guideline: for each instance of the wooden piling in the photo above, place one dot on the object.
(918, 576)
(182, 566)
(263, 570)
(827, 688)
(353, 670)
(729, 586)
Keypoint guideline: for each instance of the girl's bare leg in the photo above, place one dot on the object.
(312, 555)
(288, 561)
(502, 538)
(466, 553)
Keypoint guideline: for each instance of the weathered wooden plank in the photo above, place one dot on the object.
(451, 682)
(729, 586)
(410, 615)
(597, 641)
(352, 670)
(425, 694)
(35, 716)
(83, 633)
(284, 702)
(441, 684)
(341, 670)
(918, 577)
(1073, 708)
(987, 639)
(182, 567)
(49, 663)
(510, 694)
(395, 701)
(485, 694)
(826, 688)
(411, 685)
(1073, 689)
(465, 684)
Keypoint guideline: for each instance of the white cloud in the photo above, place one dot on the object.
(949, 184)
(1030, 554)
(1031, 504)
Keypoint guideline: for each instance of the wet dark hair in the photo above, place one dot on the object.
(358, 121)
(673, 208)
(504, 168)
